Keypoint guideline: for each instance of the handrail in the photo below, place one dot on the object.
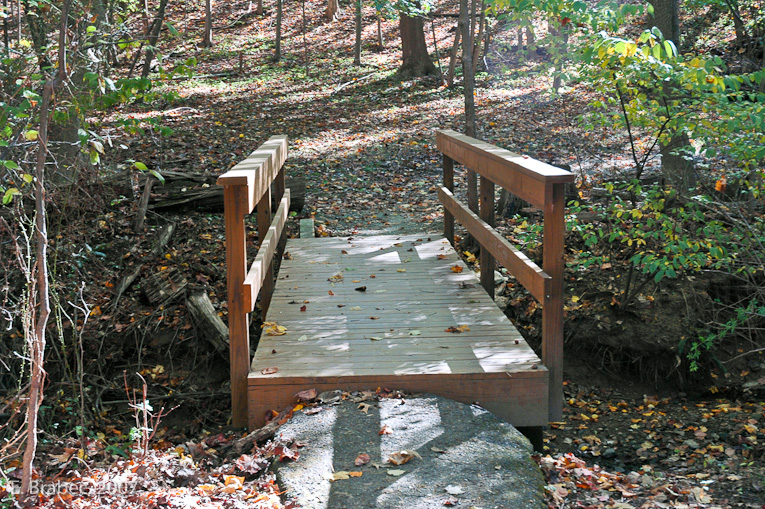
(245, 187)
(543, 186)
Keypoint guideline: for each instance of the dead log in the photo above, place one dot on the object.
(164, 286)
(259, 436)
(207, 321)
(185, 190)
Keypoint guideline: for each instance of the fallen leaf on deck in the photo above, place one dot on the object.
(458, 329)
(274, 329)
(436, 449)
(269, 371)
(442, 257)
(396, 473)
(303, 308)
(364, 407)
(361, 289)
(331, 292)
(415, 332)
(457, 268)
(400, 270)
(376, 338)
(385, 430)
(355, 308)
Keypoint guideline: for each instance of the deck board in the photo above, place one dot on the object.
(394, 333)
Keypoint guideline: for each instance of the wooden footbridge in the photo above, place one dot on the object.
(400, 312)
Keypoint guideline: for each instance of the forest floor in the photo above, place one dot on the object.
(364, 139)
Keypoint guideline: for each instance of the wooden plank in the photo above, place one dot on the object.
(258, 170)
(238, 319)
(267, 281)
(552, 312)
(522, 176)
(258, 272)
(306, 228)
(528, 273)
(487, 215)
(510, 398)
(448, 184)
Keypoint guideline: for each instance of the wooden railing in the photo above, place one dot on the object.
(246, 186)
(541, 185)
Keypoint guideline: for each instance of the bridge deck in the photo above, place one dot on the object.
(369, 312)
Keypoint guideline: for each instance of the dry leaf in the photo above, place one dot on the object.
(442, 257)
(364, 407)
(400, 270)
(402, 456)
(361, 289)
(269, 371)
(274, 329)
(457, 268)
(385, 430)
(306, 396)
(362, 459)
(396, 473)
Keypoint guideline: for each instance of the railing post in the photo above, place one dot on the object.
(487, 214)
(552, 312)
(263, 211)
(449, 184)
(236, 207)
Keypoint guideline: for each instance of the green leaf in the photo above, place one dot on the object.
(91, 29)
(158, 175)
(28, 178)
(9, 194)
(140, 166)
(172, 29)
(11, 165)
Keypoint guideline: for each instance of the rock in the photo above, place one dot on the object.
(498, 278)
(455, 445)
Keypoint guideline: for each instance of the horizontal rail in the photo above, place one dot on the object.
(255, 277)
(525, 177)
(258, 171)
(528, 273)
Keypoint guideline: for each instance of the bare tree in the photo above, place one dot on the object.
(357, 46)
(207, 39)
(333, 10)
(36, 333)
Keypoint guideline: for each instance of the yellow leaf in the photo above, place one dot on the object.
(274, 329)
(457, 269)
(574, 299)
(401, 270)
(31, 135)
(470, 256)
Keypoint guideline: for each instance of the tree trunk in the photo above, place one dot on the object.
(357, 45)
(278, 45)
(415, 58)
(207, 39)
(666, 17)
(36, 333)
(154, 31)
(380, 39)
(453, 59)
(469, 88)
(333, 10)
(676, 170)
(259, 8)
(37, 30)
